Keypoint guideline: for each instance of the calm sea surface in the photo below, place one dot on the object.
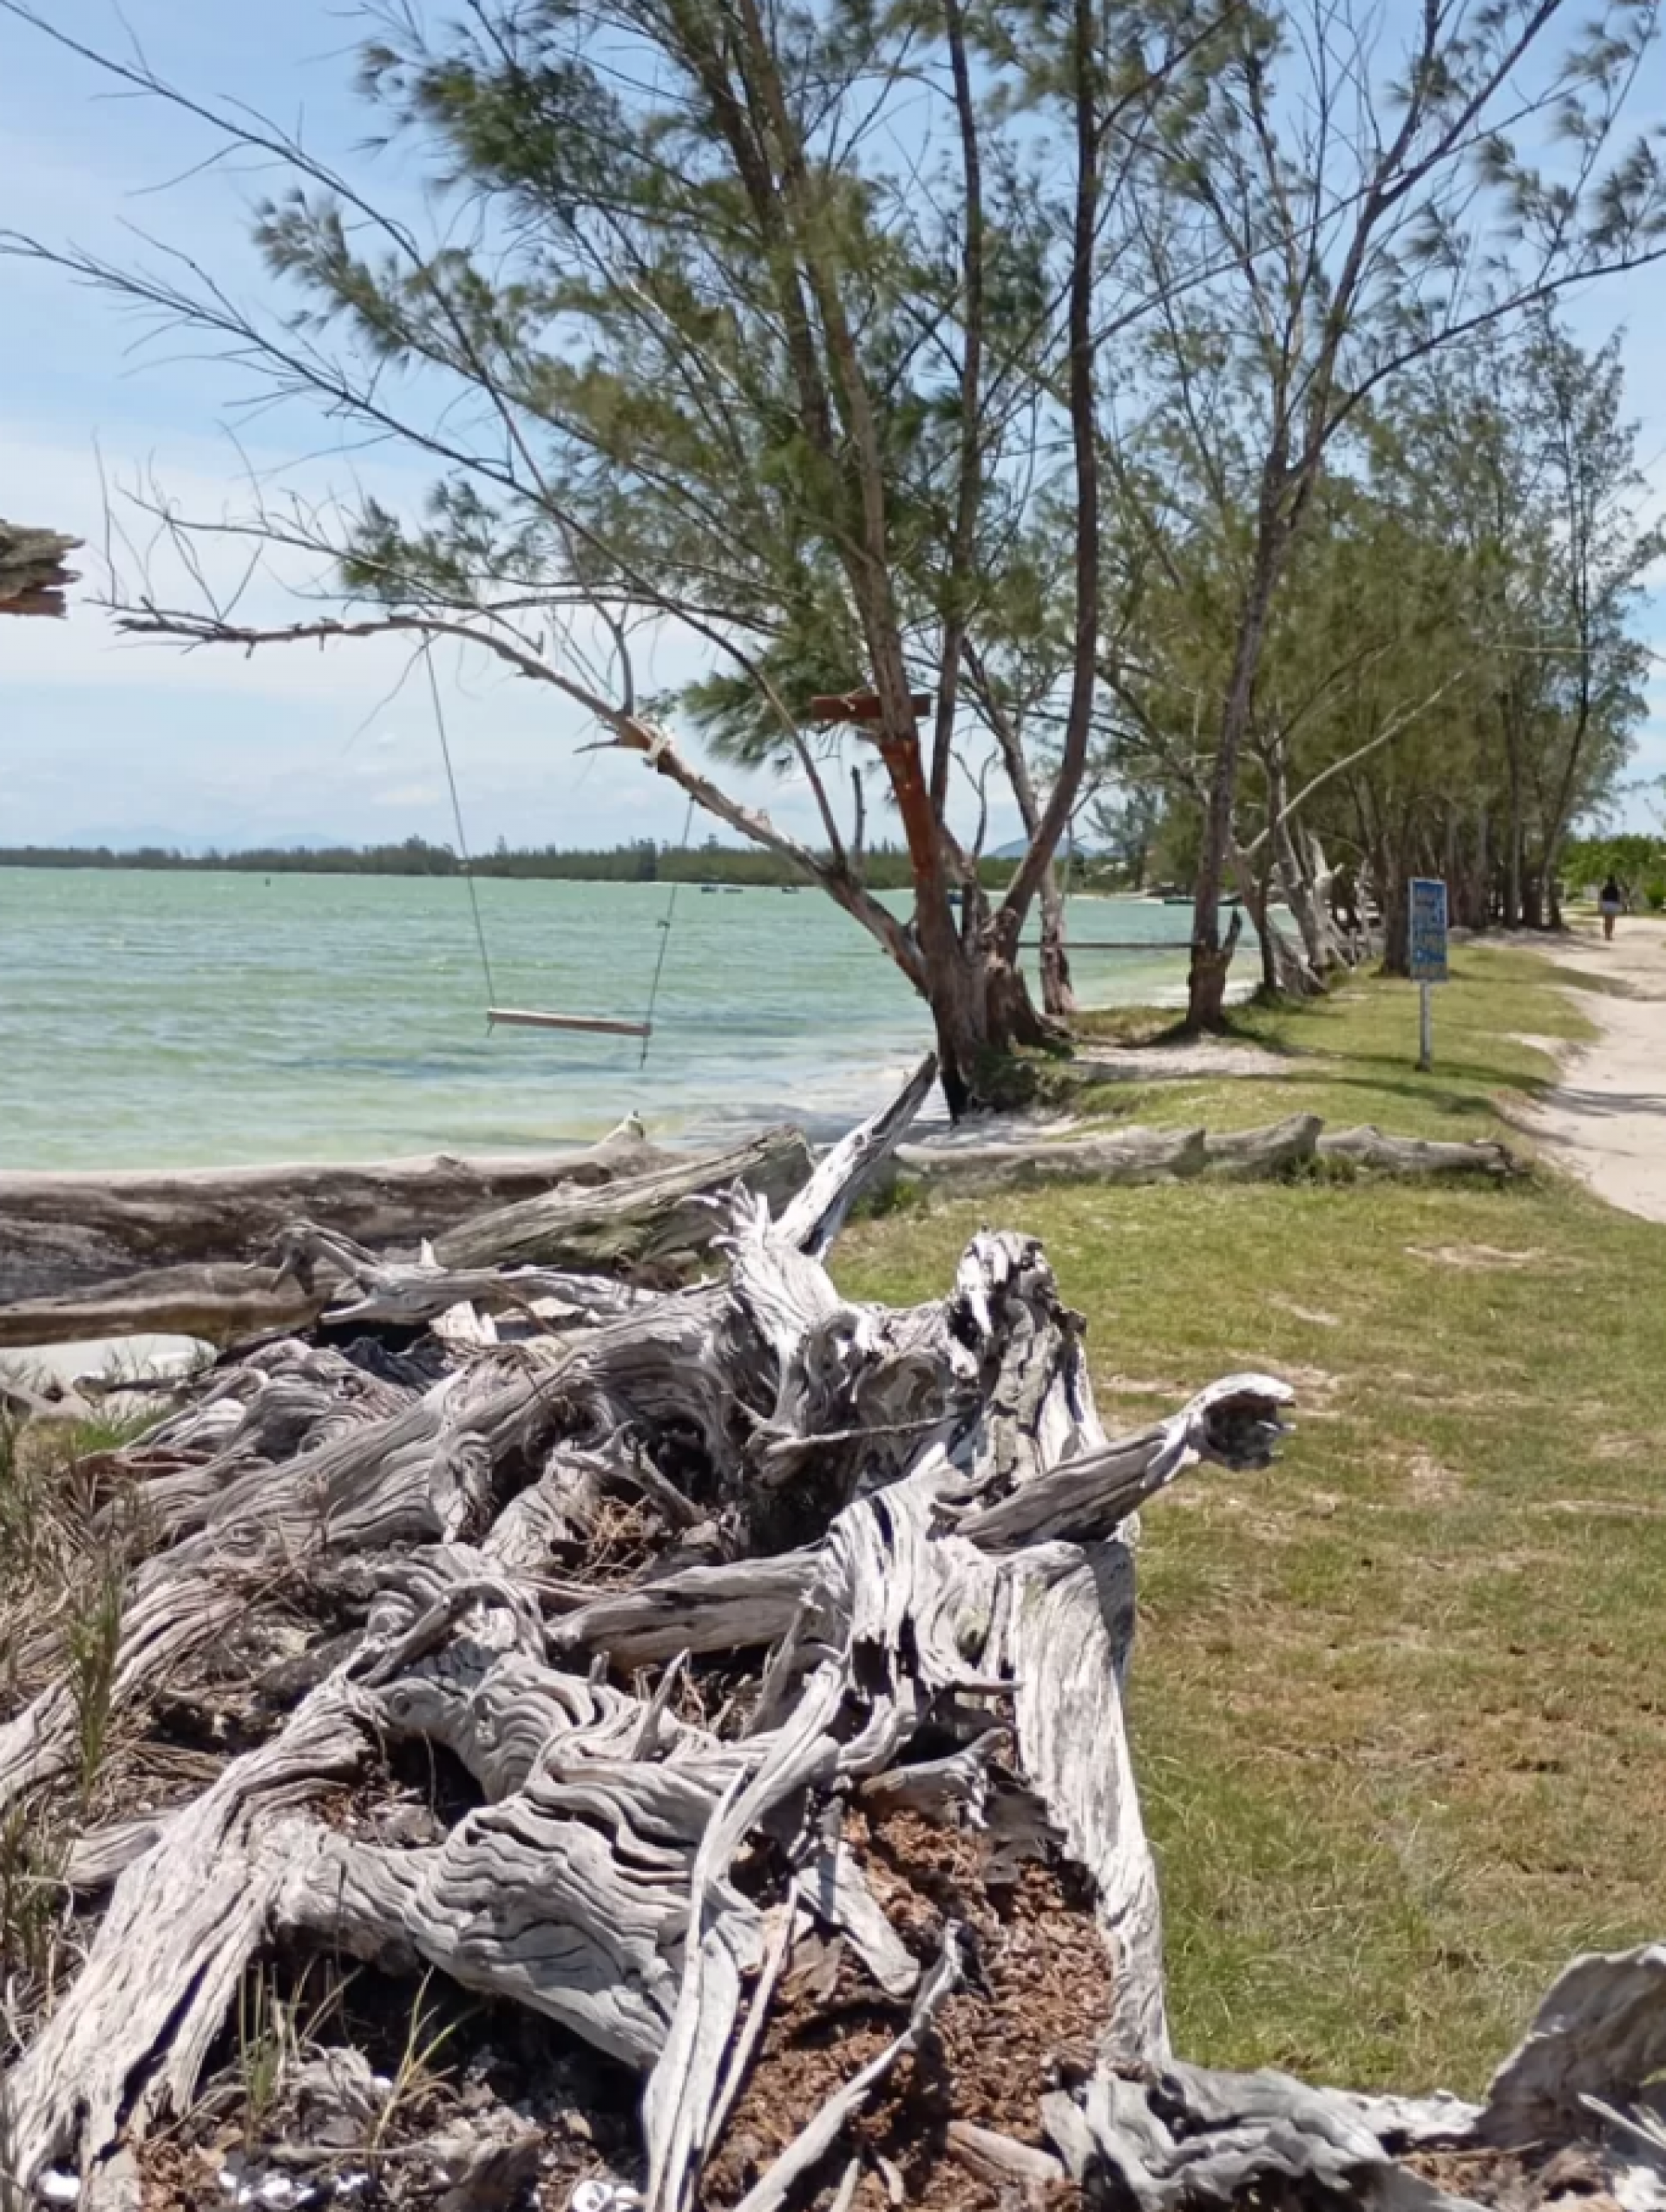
(171, 1020)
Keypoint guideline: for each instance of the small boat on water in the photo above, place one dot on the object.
(708, 890)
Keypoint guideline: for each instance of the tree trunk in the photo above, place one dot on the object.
(1301, 894)
(1513, 829)
(1532, 902)
(1211, 958)
(1057, 997)
(1282, 969)
(1396, 950)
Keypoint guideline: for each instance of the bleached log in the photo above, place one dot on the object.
(1367, 1146)
(220, 1303)
(813, 1219)
(1234, 1422)
(60, 1233)
(951, 1577)
(1131, 1156)
(568, 1892)
(661, 1219)
(1065, 1633)
(421, 1475)
(1195, 2138)
(1251, 1155)
(1599, 2032)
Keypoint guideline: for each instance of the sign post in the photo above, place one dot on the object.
(1427, 921)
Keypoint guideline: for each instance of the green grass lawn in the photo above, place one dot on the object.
(1353, 1055)
(1399, 1706)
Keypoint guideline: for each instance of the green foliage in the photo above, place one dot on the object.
(1451, 675)
(92, 1645)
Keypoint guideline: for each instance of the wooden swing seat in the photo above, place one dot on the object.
(519, 1018)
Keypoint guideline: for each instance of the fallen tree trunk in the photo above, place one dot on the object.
(1252, 1155)
(661, 1221)
(1130, 1156)
(64, 1233)
(1369, 1148)
(1136, 1155)
(664, 1218)
(220, 1303)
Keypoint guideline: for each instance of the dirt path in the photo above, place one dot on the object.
(1606, 1119)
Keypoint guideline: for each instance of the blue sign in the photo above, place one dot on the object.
(1428, 929)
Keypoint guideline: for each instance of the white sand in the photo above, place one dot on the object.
(1606, 1119)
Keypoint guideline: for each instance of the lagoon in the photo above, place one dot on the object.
(150, 1019)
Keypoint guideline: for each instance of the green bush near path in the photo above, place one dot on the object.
(1399, 1706)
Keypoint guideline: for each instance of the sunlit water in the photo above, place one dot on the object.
(165, 1019)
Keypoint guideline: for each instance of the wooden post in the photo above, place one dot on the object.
(1425, 1027)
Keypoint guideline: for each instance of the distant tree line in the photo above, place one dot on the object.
(640, 862)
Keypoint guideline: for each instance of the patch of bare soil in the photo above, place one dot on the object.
(1037, 1998)
(1475, 1255)
(1314, 1315)
(346, 2088)
(1431, 1483)
(1196, 1058)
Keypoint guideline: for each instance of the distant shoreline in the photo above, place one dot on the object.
(886, 868)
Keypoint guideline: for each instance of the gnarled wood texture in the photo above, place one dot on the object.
(898, 1545)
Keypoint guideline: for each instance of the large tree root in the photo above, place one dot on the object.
(668, 1680)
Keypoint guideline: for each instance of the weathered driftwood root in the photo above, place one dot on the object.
(714, 1604)
(1187, 2137)
(1135, 1155)
(839, 1490)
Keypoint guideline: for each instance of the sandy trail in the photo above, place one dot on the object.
(1606, 1119)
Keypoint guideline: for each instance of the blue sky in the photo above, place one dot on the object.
(105, 740)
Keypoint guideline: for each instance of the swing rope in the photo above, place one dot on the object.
(462, 842)
(665, 943)
(494, 1013)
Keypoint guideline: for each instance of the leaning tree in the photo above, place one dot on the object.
(782, 341)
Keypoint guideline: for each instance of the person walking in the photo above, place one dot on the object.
(1609, 900)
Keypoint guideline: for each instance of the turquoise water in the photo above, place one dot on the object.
(168, 1020)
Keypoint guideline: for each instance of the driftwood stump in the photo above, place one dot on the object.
(719, 1691)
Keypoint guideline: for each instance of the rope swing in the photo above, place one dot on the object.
(523, 1017)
